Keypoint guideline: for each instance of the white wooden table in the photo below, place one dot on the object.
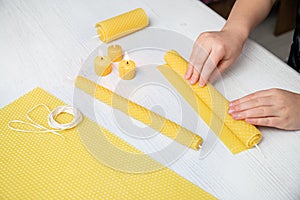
(42, 44)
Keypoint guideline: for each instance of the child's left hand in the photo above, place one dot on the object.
(274, 107)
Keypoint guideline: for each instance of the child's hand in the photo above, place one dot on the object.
(213, 50)
(274, 107)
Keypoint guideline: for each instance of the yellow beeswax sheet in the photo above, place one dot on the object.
(45, 166)
(121, 25)
(155, 121)
(211, 105)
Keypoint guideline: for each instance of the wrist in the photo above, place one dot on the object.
(237, 31)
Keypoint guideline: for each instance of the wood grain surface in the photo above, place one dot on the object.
(43, 43)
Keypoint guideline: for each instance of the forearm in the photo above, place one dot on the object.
(246, 14)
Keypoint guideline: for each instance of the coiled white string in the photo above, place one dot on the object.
(51, 120)
(66, 109)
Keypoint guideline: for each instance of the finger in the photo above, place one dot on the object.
(217, 73)
(189, 72)
(197, 60)
(200, 53)
(252, 103)
(258, 112)
(211, 63)
(262, 93)
(265, 121)
(190, 69)
(195, 77)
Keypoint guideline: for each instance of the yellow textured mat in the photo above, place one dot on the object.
(155, 121)
(45, 166)
(121, 25)
(211, 105)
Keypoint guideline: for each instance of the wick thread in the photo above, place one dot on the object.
(127, 62)
(101, 58)
(259, 150)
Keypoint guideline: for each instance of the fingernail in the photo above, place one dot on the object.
(192, 81)
(185, 76)
(230, 111)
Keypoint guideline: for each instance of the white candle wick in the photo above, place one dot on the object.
(126, 56)
(100, 52)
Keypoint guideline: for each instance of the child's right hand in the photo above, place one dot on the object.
(213, 53)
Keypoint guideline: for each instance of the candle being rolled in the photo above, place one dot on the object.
(212, 107)
(102, 65)
(155, 121)
(115, 53)
(121, 25)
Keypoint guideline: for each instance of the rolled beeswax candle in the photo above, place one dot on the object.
(247, 134)
(155, 121)
(127, 68)
(121, 25)
(209, 117)
(102, 65)
(115, 53)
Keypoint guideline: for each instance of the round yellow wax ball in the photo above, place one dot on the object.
(115, 53)
(127, 69)
(102, 65)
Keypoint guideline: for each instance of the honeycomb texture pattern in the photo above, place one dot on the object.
(209, 117)
(153, 120)
(127, 71)
(101, 70)
(247, 134)
(121, 25)
(45, 166)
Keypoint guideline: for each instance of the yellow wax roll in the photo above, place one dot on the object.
(127, 69)
(121, 25)
(155, 121)
(102, 65)
(209, 117)
(209, 97)
(115, 53)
